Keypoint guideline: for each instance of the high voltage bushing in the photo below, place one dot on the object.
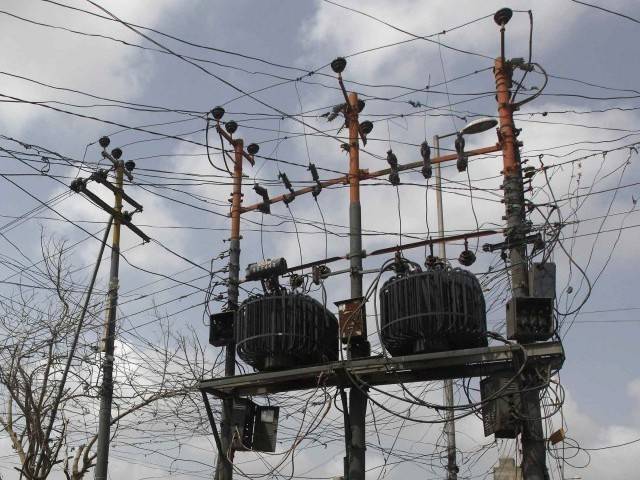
(435, 310)
(279, 331)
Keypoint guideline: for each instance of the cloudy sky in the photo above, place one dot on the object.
(69, 76)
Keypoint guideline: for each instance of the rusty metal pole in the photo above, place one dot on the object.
(533, 444)
(358, 347)
(106, 391)
(224, 469)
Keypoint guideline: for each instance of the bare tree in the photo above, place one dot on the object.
(52, 425)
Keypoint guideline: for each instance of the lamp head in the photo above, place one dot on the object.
(503, 16)
(478, 126)
(366, 127)
(217, 113)
(338, 65)
(253, 148)
(231, 127)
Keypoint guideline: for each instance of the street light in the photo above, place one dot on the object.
(476, 126)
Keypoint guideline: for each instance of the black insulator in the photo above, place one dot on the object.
(285, 181)
(435, 310)
(503, 16)
(265, 206)
(217, 113)
(459, 144)
(392, 160)
(317, 188)
(285, 330)
(77, 185)
(425, 152)
(253, 148)
(462, 161)
(339, 64)
(314, 172)
(361, 105)
(231, 127)
(116, 153)
(366, 127)
(467, 258)
(104, 142)
(130, 165)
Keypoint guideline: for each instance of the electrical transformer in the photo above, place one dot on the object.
(284, 330)
(435, 310)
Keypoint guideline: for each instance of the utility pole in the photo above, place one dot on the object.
(79, 185)
(533, 444)
(106, 391)
(224, 467)
(359, 347)
(224, 470)
(449, 426)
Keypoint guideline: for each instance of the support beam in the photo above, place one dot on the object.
(366, 175)
(473, 362)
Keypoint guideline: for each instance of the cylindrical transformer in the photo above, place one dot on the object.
(436, 310)
(285, 330)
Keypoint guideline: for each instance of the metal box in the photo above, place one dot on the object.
(352, 316)
(542, 280)
(265, 431)
(242, 421)
(501, 410)
(530, 319)
(221, 328)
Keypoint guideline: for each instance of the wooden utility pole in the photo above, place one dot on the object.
(120, 218)
(533, 444)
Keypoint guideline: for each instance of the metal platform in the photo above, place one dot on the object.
(472, 362)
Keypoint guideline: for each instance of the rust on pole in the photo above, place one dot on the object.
(354, 149)
(232, 141)
(503, 75)
(357, 347)
(236, 196)
(533, 441)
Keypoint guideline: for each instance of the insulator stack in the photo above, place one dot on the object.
(279, 331)
(431, 311)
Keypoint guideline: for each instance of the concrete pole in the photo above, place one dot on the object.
(357, 398)
(449, 426)
(106, 391)
(533, 444)
(224, 469)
